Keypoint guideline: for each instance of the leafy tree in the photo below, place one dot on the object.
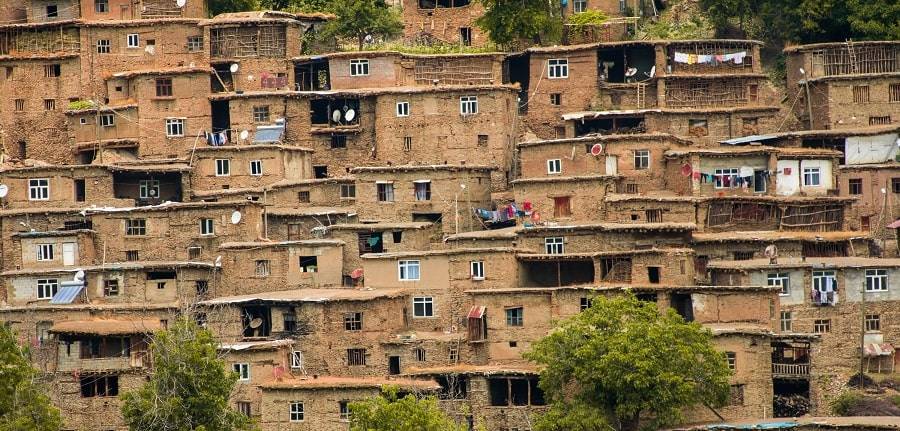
(361, 18)
(224, 6)
(623, 363)
(389, 412)
(509, 22)
(875, 19)
(296, 5)
(189, 388)
(23, 405)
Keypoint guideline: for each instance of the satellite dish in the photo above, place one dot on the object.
(596, 149)
(350, 115)
(631, 72)
(234, 67)
(152, 193)
(180, 3)
(336, 116)
(652, 72)
(79, 276)
(256, 323)
(4, 190)
(236, 217)
(244, 134)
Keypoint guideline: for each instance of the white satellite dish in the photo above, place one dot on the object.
(244, 134)
(79, 276)
(180, 3)
(631, 72)
(336, 116)
(652, 71)
(4, 190)
(234, 68)
(350, 115)
(236, 217)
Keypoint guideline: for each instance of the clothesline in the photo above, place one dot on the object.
(685, 58)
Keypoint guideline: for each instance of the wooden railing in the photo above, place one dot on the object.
(790, 369)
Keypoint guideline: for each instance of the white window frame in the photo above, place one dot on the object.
(207, 227)
(579, 6)
(405, 267)
(144, 187)
(468, 105)
(425, 302)
(641, 159)
(39, 189)
(296, 412)
(104, 46)
(877, 280)
(296, 359)
(554, 166)
(256, 168)
(107, 120)
(47, 288)
(403, 109)
(133, 40)
(243, 371)
(388, 191)
(223, 167)
(558, 68)
(780, 279)
(812, 173)
(719, 174)
(174, 127)
(45, 252)
(476, 269)
(359, 67)
(554, 245)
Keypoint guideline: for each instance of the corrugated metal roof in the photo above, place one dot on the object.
(67, 293)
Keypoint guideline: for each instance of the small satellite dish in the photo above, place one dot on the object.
(236, 217)
(802, 72)
(4, 190)
(250, 78)
(244, 134)
(234, 67)
(336, 116)
(256, 323)
(152, 193)
(596, 149)
(218, 261)
(350, 115)
(631, 72)
(180, 3)
(652, 72)
(79, 276)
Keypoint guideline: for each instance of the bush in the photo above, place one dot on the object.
(590, 17)
(78, 105)
(845, 403)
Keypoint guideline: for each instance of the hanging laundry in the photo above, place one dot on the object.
(373, 241)
(692, 59)
(704, 59)
(696, 175)
(681, 57)
(526, 205)
(510, 212)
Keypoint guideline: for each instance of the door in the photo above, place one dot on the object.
(80, 192)
(759, 181)
(68, 249)
(612, 165)
(393, 365)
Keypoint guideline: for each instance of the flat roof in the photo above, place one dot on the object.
(167, 206)
(381, 225)
(522, 368)
(310, 211)
(364, 92)
(273, 244)
(419, 168)
(395, 53)
(114, 266)
(251, 147)
(161, 71)
(753, 236)
(505, 233)
(441, 252)
(613, 227)
(653, 136)
(571, 179)
(335, 382)
(309, 295)
(815, 46)
(106, 327)
(809, 262)
(583, 115)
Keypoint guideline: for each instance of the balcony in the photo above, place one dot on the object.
(790, 370)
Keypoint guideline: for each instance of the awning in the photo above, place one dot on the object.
(894, 225)
(875, 350)
(68, 291)
(477, 311)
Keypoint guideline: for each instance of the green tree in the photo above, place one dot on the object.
(389, 412)
(875, 19)
(296, 5)
(189, 388)
(23, 405)
(224, 6)
(509, 22)
(360, 18)
(623, 363)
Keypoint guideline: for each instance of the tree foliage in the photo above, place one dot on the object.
(357, 19)
(389, 412)
(189, 388)
(23, 405)
(509, 22)
(623, 363)
(224, 6)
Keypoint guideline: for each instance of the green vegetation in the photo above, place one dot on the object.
(589, 17)
(389, 412)
(444, 48)
(623, 364)
(224, 6)
(511, 22)
(77, 105)
(23, 405)
(189, 388)
(845, 403)
(357, 19)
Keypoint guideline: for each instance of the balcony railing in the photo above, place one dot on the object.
(790, 369)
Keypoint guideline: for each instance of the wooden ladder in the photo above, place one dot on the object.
(641, 95)
(854, 67)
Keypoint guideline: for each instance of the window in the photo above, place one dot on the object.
(243, 407)
(309, 264)
(93, 385)
(338, 142)
(52, 11)
(555, 99)
(296, 359)
(207, 227)
(515, 316)
(894, 93)
(419, 354)
(20, 105)
(642, 159)
(407, 143)
(736, 395)
(101, 6)
(422, 189)
(554, 245)
(44, 252)
(262, 268)
(476, 269)
(135, 227)
(409, 270)
(148, 189)
(468, 105)
(261, 114)
(554, 166)
(353, 321)
(356, 356)
(174, 127)
(194, 252)
(786, 321)
(256, 168)
(812, 176)
(653, 215)
(111, 287)
(243, 372)
(860, 94)
(195, 43)
(107, 120)
(296, 411)
(344, 409)
(822, 326)
(880, 121)
(873, 322)
(423, 306)
(385, 192)
(348, 191)
(303, 196)
(558, 68)
(47, 287)
(562, 206)
(782, 280)
(854, 185)
(359, 67)
(39, 189)
(584, 303)
(465, 36)
(133, 41)
(579, 6)
(223, 167)
(726, 178)
(731, 357)
(482, 140)
(164, 87)
(52, 71)
(132, 255)
(49, 104)
(698, 127)
(824, 286)
(876, 280)
(895, 185)
(403, 109)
